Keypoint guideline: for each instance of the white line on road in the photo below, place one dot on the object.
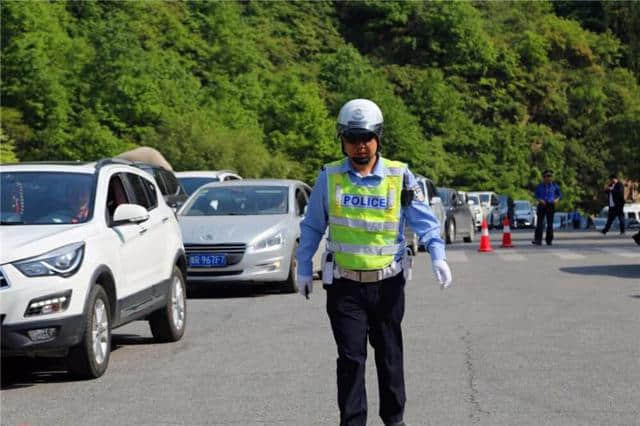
(567, 255)
(457, 257)
(621, 253)
(511, 256)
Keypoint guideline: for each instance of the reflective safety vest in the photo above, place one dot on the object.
(364, 220)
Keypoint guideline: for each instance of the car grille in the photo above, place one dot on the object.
(234, 251)
(3, 281)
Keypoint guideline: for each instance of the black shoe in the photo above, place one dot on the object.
(548, 243)
(603, 232)
(538, 243)
(636, 238)
(396, 424)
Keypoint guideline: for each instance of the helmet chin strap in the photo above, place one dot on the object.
(360, 160)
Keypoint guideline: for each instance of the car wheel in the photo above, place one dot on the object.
(90, 358)
(168, 323)
(451, 232)
(472, 231)
(291, 283)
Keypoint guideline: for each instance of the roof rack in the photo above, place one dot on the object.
(106, 161)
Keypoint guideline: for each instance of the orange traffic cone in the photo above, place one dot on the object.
(506, 233)
(485, 242)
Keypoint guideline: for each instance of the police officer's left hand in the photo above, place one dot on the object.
(442, 272)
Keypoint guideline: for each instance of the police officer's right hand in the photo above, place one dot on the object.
(305, 285)
(442, 272)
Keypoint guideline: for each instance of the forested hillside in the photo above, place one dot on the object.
(476, 95)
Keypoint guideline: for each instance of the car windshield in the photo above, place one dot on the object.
(45, 198)
(484, 198)
(475, 199)
(238, 200)
(521, 205)
(190, 184)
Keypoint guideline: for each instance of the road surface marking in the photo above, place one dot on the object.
(457, 256)
(622, 253)
(511, 256)
(567, 255)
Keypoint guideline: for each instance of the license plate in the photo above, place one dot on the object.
(207, 260)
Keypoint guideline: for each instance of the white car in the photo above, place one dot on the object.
(476, 211)
(244, 231)
(193, 180)
(631, 213)
(524, 214)
(86, 248)
(490, 204)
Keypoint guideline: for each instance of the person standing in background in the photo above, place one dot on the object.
(615, 193)
(547, 193)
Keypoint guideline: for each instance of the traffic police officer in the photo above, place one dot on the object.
(365, 200)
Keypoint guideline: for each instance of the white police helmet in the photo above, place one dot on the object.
(360, 117)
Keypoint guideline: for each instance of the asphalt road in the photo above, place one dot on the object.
(525, 336)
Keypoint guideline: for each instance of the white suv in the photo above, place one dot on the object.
(85, 248)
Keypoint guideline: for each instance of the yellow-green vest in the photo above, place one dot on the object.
(364, 220)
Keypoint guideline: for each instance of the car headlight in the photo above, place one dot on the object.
(271, 242)
(63, 261)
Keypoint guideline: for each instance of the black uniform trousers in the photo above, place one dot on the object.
(372, 310)
(545, 212)
(616, 211)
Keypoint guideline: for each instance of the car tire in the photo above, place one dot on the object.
(290, 285)
(90, 358)
(472, 230)
(169, 322)
(451, 232)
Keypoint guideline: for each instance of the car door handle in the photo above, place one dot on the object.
(142, 231)
(165, 219)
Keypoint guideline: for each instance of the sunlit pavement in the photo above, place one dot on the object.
(533, 335)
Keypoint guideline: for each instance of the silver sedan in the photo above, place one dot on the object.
(244, 230)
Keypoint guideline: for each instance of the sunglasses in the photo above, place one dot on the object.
(358, 138)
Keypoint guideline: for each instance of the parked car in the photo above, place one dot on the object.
(458, 220)
(71, 270)
(524, 214)
(476, 210)
(244, 230)
(193, 180)
(172, 192)
(431, 198)
(489, 202)
(631, 213)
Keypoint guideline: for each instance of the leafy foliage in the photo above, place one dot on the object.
(475, 95)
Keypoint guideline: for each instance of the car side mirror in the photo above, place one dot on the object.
(129, 213)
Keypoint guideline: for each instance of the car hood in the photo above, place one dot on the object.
(24, 241)
(231, 229)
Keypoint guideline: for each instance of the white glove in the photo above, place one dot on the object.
(442, 272)
(305, 285)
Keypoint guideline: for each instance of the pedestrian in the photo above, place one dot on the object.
(615, 194)
(365, 200)
(547, 193)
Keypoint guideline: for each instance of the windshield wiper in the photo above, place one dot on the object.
(11, 222)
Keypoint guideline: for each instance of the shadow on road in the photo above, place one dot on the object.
(230, 291)
(22, 372)
(618, 271)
